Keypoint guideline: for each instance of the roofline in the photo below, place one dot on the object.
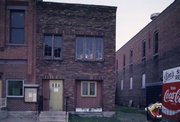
(148, 24)
(80, 4)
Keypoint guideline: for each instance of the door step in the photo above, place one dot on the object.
(53, 116)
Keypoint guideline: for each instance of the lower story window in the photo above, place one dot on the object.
(14, 88)
(88, 88)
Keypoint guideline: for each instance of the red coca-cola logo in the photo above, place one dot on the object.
(170, 96)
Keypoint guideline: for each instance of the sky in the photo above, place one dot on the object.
(131, 17)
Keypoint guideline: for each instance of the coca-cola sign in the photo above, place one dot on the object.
(172, 96)
(171, 92)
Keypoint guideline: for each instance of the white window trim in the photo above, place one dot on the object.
(143, 81)
(88, 88)
(7, 88)
(131, 83)
(122, 83)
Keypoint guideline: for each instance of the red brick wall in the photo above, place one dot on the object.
(20, 58)
(168, 26)
(85, 102)
(70, 20)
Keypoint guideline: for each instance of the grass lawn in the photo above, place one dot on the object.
(119, 110)
(128, 110)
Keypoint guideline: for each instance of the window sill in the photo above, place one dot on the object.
(82, 60)
(88, 96)
(156, 55)
(17, 45)
(15, 96)
(52, 59)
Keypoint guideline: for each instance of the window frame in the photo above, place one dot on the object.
(122, 85)
(131, 83)
(21, 28)
(7, 88)
(52, 57)
(131, 57)
(156, 43)
(143, 81)
(143, 49)
(88, 95)
(93, 46)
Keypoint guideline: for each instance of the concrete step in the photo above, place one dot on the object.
(53, 116)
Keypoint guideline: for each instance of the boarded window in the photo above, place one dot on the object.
(156, 41)
(122, 84)
(143, 80)
(131, 83)
(143, 48)
(131, 56)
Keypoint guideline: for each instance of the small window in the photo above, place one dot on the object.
(88, 89)
(131, 83)
(156, 41)
(14, 88)
(121, 84)
(52, 46)
(17, 22)
(143, 49)
(143, 80)
(124, 60)
(89, 48)
(131, 56)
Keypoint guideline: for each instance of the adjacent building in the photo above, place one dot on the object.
(141, 61)
(57, 56)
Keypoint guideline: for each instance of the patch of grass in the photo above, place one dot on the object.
(128, 110)
(74, 118)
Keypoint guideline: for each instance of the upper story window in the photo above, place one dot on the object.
(89, 48)
(143, 48)
(53, 46)
(124, 61)
(156, 41)
(131, 56)
(17, 23)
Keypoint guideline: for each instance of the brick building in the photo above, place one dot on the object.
(62, 52)
(84, 57)
(17, 51)
(142, 59)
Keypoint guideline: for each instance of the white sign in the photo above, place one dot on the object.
(171, 75)
(88, 109)
(56, 89)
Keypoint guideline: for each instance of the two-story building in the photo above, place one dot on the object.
(75, 56)
(55, 56)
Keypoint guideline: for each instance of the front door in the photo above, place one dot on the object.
(56, 95)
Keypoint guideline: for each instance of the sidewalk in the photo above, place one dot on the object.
(18, 120)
